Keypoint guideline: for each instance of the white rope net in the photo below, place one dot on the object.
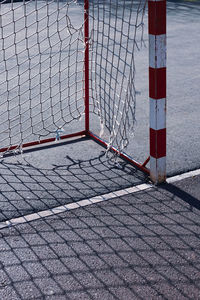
(117, 32)
(42, 67)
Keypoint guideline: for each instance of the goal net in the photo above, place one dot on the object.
(46, 48)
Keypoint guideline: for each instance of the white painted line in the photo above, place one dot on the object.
(71, 206)
(120, 193)
(85, 202)
(96, 199)
(132, 190)
(93, 200)
(183, 176)
(144, 186)
(45, 213)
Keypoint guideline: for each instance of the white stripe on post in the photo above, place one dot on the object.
(158, 114)
(158, 168)
(157, 55)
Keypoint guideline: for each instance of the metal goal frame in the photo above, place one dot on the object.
(157, 96)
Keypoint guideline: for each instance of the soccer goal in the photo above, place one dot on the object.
(64, 62)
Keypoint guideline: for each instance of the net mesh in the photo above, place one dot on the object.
(117, 29)
(42, 67)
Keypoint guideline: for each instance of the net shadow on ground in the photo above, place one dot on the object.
(40, 180)
(140, 246)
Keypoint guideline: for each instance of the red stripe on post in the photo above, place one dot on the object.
(158, 143)
(157, 83)
(157, 17)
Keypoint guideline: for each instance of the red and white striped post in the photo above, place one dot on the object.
(157, 89)
(86, 63)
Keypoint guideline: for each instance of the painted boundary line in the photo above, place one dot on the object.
(71, 206)
(183, 176)
(89, 201)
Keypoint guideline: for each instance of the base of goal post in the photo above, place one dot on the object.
(124, 156)
(83, 134)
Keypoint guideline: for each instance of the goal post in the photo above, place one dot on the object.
(157, 93)
(157, 88)
(68, 62)
(86, 61)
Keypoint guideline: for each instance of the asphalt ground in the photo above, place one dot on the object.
(58, 175)
(143, 245)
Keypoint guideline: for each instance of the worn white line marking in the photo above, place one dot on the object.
(89, 201)
(70, 206)
(183, 176)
